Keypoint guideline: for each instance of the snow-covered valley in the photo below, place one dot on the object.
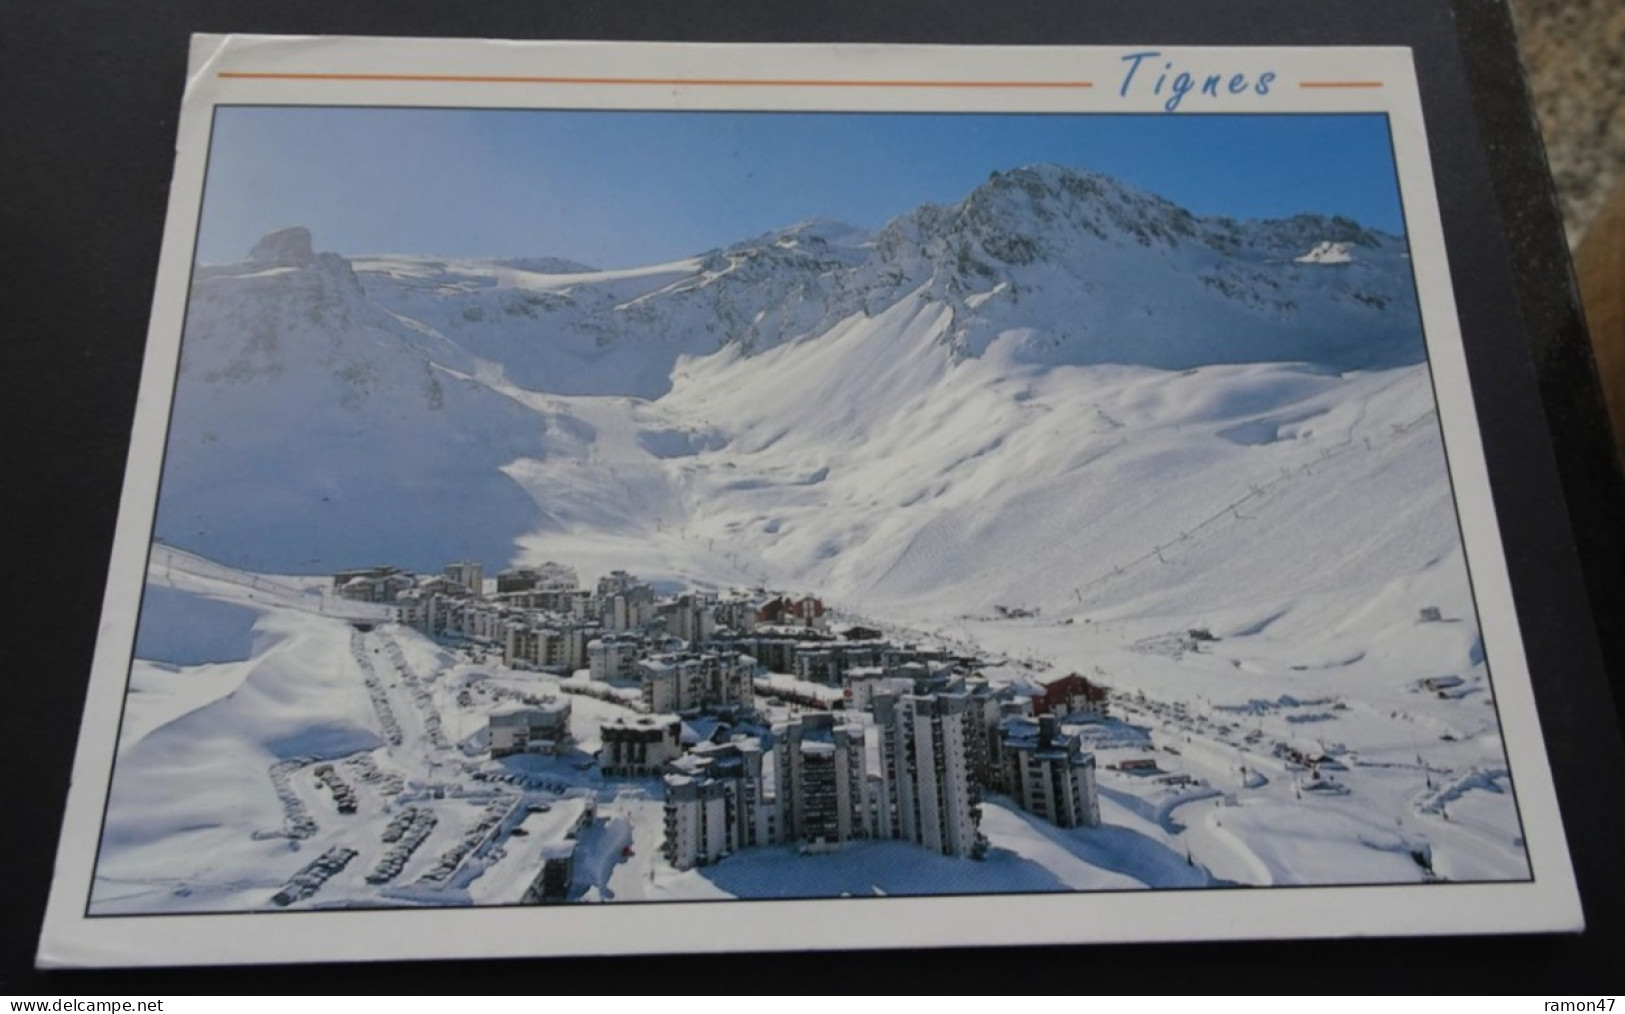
(1063, 426)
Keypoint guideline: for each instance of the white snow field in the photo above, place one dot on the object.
(1197, 458)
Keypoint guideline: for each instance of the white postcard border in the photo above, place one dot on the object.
(419, 72)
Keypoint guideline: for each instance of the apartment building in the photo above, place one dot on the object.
(530, 728)
(716, 804)
(1048, 773)
(639, 745)
(821, 791)
(697, 681)
(927, 793)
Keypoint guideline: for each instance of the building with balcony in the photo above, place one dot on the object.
(689, 681)
(822, 789)
(927, 793)
(546, 577)
(470, 574)
(715, 803)
(640, 745)
(785, 611)
(1071, 696)
(1048, 773)
(690, 618)
(613, 657)
(531, 728)
(373, 584)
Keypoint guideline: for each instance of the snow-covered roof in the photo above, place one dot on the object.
(547, 708)
(780, 683)
(1026, 686)
(642, 721)
(699, 729)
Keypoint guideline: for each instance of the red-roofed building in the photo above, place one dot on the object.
(783, 611)
(1071, 695)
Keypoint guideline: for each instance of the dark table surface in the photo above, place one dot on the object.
(90, 115)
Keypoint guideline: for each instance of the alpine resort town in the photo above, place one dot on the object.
(1054, 539)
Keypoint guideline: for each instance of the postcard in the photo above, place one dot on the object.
(608, 498)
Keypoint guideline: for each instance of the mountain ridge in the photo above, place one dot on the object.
(446, 395)
(1096, 271)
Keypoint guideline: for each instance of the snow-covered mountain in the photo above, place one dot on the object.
(823, 402)
(1063, 424)
(311, 427)
(1073, 267)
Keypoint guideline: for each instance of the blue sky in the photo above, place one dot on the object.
(616, 189)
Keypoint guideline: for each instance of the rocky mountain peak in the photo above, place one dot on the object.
(284, 248)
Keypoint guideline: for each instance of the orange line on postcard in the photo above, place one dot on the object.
(1339, 84)
(713, 82)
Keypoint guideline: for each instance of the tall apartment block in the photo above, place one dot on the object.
(1048, 772)
(690, 618)
(927, 795)
(468, 573)
(822, 793)
(715, 804)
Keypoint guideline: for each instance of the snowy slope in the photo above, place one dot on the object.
(1059, 393)
(331, 413)
(190, 800)
(972, 407)
(1060, 397)
(312, 430)
(863, 467)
